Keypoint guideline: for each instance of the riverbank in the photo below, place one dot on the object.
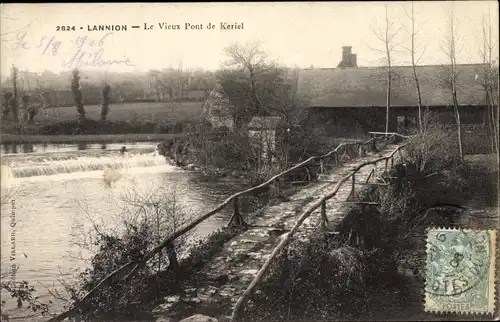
(88, 138)
(196, 193)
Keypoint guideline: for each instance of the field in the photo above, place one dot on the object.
(123, 119)
(133, 112)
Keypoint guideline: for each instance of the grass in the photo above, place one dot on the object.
(123, 118)
(125, 112)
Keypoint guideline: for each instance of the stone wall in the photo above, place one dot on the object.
(352, 121)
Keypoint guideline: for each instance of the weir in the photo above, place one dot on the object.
(48, 166)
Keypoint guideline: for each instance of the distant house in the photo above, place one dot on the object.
(261, 129)
(353, 99)
(262, 132)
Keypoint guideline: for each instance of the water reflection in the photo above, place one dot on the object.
(11, 148)
(28, 147)
(54, 213)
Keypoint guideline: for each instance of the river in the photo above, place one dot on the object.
(53, 194)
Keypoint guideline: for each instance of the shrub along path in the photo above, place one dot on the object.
(215, 289)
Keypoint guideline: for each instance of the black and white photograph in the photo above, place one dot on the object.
(249, 161)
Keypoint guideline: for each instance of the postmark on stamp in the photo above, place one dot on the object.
(460, 274)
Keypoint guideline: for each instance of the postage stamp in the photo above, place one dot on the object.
(460, 275)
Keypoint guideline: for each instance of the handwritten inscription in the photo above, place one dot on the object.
(83, 50)
(90, 52)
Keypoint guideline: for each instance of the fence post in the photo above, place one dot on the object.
(323, 215)
(373, 145)
(321, 167)
(392, 161)
(236, 217)
(278, 187)
(400, 155)
(172, 256)
(353, 189)
(386, 161)
(237, 211)
(372, 173)
(175, 151)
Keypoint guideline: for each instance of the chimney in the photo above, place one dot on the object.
(354, 60)
(348, 58)
(346, 54)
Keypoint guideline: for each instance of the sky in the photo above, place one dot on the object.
(294, 34)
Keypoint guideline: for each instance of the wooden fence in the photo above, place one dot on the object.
(321, 202)
(336, 156)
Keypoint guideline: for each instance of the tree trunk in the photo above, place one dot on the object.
(453, 76)
(489, 91)
(389, 83)
(493, 120)
(419, 100)
(415, 77)
(459, 127)
(389, 71)
(253, 85)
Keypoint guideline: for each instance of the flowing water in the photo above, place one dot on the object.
(53, 194)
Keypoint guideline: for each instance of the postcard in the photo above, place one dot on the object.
(248, 161)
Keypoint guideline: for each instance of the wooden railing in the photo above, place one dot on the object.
(321, 202)
(337, 154)
(375, 134)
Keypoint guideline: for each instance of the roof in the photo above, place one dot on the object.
(366, 86)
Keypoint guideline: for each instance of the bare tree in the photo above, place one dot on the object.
(450, 49)
(249, 61)
(386, 35)
(413, 50)
(14, 102)
(488, 80)
(157, 85)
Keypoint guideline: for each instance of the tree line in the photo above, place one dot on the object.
(452, 45)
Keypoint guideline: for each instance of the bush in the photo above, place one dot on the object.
(146, 220)
(23, 293)
(317, 281)
(435, 149)
(113, 127)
